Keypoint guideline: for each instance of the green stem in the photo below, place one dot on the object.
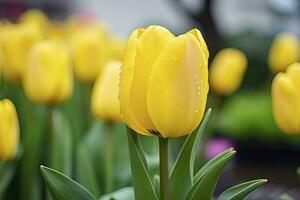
(164, 171)
(109, 158)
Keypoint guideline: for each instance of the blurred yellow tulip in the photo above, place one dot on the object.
(286, 99)
(17, 41)
(9, 130)
(56, 31)
(90, 52)
(105, 96)
(117, 47)
(164, 82)
(227, 71)
(284, 51)
(48, 78)
(35, 18)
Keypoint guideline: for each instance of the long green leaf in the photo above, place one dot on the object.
(7, 171)
(239, 192)
(141, 181)
(204, 188)
(205, 168)
(121, 194)
(85, 171)
(63, 188)
(181, 177)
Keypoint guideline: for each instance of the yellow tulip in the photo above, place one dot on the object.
(227, 71)
(9, 130)
(56, 31)
(17, 41)
(90, 52)
(284, 51)
(105, 95)
(164, 82)
(35, 18)
(286, 99)
(48, 77)
(117, 47)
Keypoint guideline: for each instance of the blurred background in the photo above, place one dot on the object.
(243, 119)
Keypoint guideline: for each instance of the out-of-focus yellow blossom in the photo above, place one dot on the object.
(56, 31)
(164, 82)
(105, 96)
(48, 77)
(35, 18)
(17, 41)
(90, 52)
(284, 51)
(286, 99)
(117, 47)
(9, 130)
(227, 71)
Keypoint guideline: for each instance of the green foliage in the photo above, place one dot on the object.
(249, 116)
(240, 191)
(285, 197)
(121, 194)
(181, 178)
(63, 188)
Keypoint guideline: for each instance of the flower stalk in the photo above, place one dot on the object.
(164, 169)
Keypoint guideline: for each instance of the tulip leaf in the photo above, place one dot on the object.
(140, 177)
(204, 188)
(7, 171)
(239, 192)
(60, 143)
(181, 177)
(63, 188)
(126, 193)
(298, 171)
(85, 172)
(205, 168)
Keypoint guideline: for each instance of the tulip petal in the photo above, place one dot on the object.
(126, 80)
(105, 102)
(293, 72)
(197, 34)
(9, 130)
(178, 87)
(286, 104)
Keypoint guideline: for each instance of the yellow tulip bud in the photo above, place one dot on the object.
(90, 52)
(56, 31)
(286, 99)
(17, 41)
(48, 78)
(105, 96)
(9, 130)
(284, 51)
(35, 18)
(227, 71)
(117, 47)
(164, 82)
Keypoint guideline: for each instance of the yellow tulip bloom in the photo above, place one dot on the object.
(164, 82)
(286, 99)
(284, 51)
(227, 71)
(117, 47)
(17, 41)
(35, 18)
(9, 130)
(105, 95)
(48, 79)
(90, 52)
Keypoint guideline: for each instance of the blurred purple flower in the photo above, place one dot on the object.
(216, 146)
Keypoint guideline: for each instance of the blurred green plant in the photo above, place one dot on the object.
(248, 115)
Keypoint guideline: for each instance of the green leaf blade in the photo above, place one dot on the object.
(240, 191)
(63, 188)
(181, 175)
(141, 180)
(204, 188)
